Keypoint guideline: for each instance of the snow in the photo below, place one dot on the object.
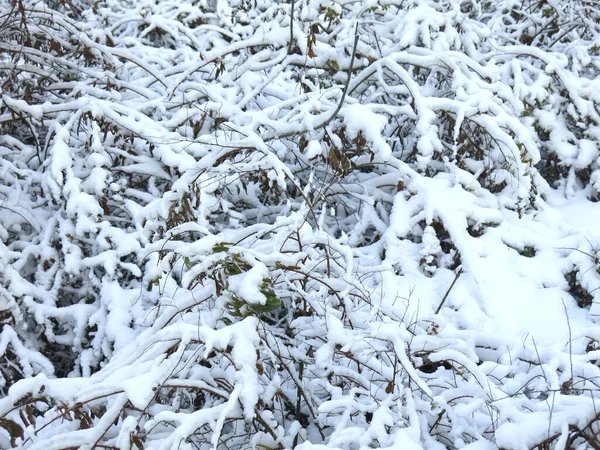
(360, 118)
(247, 285)
(413, 242)
(579, 214)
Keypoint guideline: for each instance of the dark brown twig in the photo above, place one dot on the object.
(291, 44)
(458, 274)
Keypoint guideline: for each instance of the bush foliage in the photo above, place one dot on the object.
(234, 224)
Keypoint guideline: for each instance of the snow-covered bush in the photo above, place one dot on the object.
(313, 224)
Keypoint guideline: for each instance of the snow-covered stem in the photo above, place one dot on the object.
(231, 224)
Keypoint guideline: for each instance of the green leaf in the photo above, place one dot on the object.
(226, 320)
(332, 65)
(222, 247)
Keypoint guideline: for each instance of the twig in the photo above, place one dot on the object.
(540, 361)
(341, 103)
(570, 341)
(298, 382)
(318, 280)
(19, 214)
(458, 274)
(291, 44)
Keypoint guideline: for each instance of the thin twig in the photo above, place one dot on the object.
(291, 44)
(570, 341)
(340, 104)
(458, 274)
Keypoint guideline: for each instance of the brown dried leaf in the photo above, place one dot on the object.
(14, 429)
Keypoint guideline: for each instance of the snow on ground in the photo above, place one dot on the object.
(579, 213)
